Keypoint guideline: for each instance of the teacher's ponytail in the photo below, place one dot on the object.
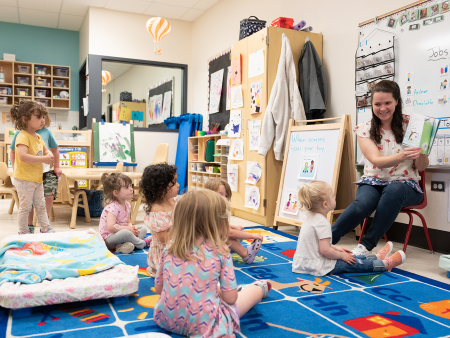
(311, 196)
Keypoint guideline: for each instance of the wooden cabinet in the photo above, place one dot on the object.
(269, 41)
(35, 81)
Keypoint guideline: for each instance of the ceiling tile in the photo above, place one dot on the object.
(9, 14)
(42, 5)
(37, 18)
(10, 3)
(80, 7)
(179, 3)
(166, 11)
(134, 6)
(70, 22)
(205, 4)
(192, 14)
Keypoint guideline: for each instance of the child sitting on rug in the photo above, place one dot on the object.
(195, 261)
(316, 256)
(159, 188)
(236, 233)
(115, 226)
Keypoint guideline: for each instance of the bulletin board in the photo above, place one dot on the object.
(161, 89)
(422, 56)
(223, 116)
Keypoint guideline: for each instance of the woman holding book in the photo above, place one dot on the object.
(391, 171)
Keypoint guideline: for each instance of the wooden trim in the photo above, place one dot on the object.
(318, 120)
(401, 9)
(287, 221)
(317, 127)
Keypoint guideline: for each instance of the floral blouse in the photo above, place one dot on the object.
(404, 172)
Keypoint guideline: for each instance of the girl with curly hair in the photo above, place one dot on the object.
(159, 187)
(31, 154)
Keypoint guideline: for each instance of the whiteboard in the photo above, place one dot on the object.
(323, 143)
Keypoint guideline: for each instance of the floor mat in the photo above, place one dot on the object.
(395, 304)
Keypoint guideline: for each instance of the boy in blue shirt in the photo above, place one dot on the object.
(50, 177)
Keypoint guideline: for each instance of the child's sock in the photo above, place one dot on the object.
(31, 227)
(265, 286)
(147, 240)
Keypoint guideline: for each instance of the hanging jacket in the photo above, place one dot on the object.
(284, 104)
(313, 82)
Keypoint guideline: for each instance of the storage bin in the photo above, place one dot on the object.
(22, 91)
(61, 72)
(40, 92)
(4, 91)
(3, 101)
(41, 82)
(23, 80)
(41, 70)
(44, 102)
(58, 83)
(23, 99)
(283, 22)
(24, 69)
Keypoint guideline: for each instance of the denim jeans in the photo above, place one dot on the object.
(387, 200)
(362, 264)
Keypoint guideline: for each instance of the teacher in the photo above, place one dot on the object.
(391, 171)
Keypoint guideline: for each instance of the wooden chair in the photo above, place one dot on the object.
(161, 156)
(409, 211)
(73, 198)
(7, 187)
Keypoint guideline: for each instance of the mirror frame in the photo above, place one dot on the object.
(94, 64)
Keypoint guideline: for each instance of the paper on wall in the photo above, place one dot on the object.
(290, 202)
(158, 113)
(232, 176)
(215, 91)
(167, 104)
(236, 97)
(228, 89)
(52, 117)
(252, 197)
(115, 142)
(308, 167)
(254, 171)
(151, 110)
(254, 134)
(236, 150)
(256, 63)
(256, 97)
(223, 142)
(85, 106)
(235, 124)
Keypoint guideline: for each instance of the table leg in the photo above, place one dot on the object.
(73, 220)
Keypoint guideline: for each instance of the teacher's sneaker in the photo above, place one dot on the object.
(360, 250)
(385, 250)
(396, 259)
(125, 248)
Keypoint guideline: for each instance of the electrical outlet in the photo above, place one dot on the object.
(438, 186)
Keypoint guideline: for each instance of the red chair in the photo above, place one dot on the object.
(410, 212)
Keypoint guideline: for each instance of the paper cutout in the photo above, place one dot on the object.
(151, 110)
(256, 63)
(256, 97)
(232, 176)
(254, 128)
(290, 203)
(115, 142)
(236, 75)
(443, 71)
(228, 89)
(443, 84)
(254, 171)
(237, 149)
(410, 77)
(167, 105)
(442, 100)
(137, 115)
(235, 124)
(215, 91)
(158, 117)
(252, 197)
(308, 167)
(125, 114)
(223, 142)
(116, 114)
(236, 97)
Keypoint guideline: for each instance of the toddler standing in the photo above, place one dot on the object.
(31, 153)
(115, 226)
(195, 261)
(159, 188)
(316, 256)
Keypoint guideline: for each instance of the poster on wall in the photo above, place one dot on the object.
(215, 91)
(167, 105)
(158, 113)
(115, 142)
(150, 110)
(235, 124)
(74, 157)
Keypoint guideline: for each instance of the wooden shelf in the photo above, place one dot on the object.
(62, 88)
(212, 135)
(42, 87)
(24, 74)
(3, 95)
(6, 84)
(61, 99)
(59, 108)
(203, 172)
(21, 85)
(21, 96)
(60, 77)
(204, 162)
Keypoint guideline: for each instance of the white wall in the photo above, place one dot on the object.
(125, 35)
(84, 39)
(138, 79)
(146, 143)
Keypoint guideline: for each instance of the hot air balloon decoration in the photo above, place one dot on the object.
(158, 27)
(106, 78)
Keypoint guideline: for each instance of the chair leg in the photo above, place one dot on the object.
(73, 220)
(362, 230)
(385, 238)
(135, 209)
(85, 206)
(11, 206)
(408, 232)
(425, 228)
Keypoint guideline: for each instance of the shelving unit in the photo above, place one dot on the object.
(196, 160)
(14, 72)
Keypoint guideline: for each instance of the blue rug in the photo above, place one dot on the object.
(395, 304)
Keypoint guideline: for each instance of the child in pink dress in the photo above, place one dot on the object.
(195, 261)
(160, 188)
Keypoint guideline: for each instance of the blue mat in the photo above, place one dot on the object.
(396, 304)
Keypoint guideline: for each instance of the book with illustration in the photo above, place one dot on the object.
(421, 132)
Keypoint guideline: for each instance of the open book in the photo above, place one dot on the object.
(421, 132)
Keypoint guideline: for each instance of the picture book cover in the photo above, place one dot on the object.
(421, 132)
